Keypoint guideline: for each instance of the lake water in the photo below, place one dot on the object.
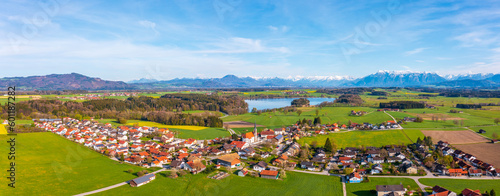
(261, 104)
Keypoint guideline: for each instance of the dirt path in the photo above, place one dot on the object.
(112, 186)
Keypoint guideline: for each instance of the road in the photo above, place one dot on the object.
(394, 120)
(112, 186)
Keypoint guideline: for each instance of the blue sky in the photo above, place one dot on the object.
(126, 40)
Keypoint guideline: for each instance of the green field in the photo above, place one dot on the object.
(489, 130)
(457, 185)
(413, 134)
(48, 164)
(358, 138)
(294, 184)
(328, 115)
(185, 131)
(363, 189)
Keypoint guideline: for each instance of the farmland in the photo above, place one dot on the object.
(455, 137)
(487, 152)
(358, 138)
(184, 131)
(457, 185)
(489, 130)
(363, 189)
(48, 159)
(294, 184)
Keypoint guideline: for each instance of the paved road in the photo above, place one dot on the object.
(394, 120)
(112, 186)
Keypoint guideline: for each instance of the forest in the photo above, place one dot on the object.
(166, 109)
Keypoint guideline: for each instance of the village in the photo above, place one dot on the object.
(268, 153)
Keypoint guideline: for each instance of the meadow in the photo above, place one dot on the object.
(184, 131)
(294, 184)
(328, 115)
(457, 185)
(358, 138)
(489, 131)
(364, 189)
(46, 161)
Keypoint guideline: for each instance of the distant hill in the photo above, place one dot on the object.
(469, 83)
(73, 81)
(396, 79)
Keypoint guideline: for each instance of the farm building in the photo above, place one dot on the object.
(142, 180)
(386, 190)
(269, 174)
(229, 160)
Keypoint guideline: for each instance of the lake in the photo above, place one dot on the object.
(261, 104)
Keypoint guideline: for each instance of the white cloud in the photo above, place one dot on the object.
(149, 24)
(415, 51)
(282, 29)
(242, 45)
(477, 38)
(419, 61)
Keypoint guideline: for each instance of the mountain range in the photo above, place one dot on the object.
(75, 81)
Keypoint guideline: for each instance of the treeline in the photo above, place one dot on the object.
(138, 108)
(171, 118)
(350, 99)
(460, 92)
(468, 106)
(340, 91)
(402, 105)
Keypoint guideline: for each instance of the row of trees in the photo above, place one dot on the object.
(402, 105)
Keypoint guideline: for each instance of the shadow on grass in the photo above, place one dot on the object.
(363, 193)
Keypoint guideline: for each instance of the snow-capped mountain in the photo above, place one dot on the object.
(397, 79)
(473, 76)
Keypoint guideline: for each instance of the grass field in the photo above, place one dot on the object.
(48, 164)
(294, 184)
(413, 134)
(328, 115)
(489, 130)
(185, 131)
(358, 138)
(363, 189)
(457, 185)
(3, 131)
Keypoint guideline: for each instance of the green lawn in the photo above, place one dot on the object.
(363, 189)
(358, 138)
(48, 164)
(457, 185)
(489, 130)
(294, 184)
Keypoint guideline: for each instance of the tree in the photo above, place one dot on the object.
(149, 159)
(122, 157)
(140, 173)
(317, 112)
(317, 120)
(130, 171)
(299, 112)
(349, 123)
(419, 141)
(314, 144)
(259, 112)
(79, 117)
(122, 120)
(497, 120)
(447, 160)
(492, 193)
(254, 110)
(234, 136)
(205, 143)
(328, 145)
(494, 136)
(348, 170)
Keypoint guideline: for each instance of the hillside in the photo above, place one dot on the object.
(73, 81)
